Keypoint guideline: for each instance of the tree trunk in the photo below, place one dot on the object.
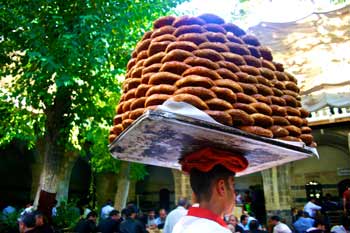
(123, 186)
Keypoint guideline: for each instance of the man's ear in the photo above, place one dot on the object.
(220, 187)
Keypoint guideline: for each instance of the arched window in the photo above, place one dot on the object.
(314, 190)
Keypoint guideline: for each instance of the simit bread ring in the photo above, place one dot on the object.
(163, 31)
(244, 98)
(278, 110)
(147, 35)
(305, 122)
(211, 27)
(279, 120)
(291, 86)
(230, 27)
(143, 45)
(290, 138)
(117, 119)
(249, 70)
(277, 92)
(126, 105)
(292, 111)
(211, 18)
(138, 103)
(197, 61)
(156, 99)
(254, 51)
(246, 78)
(220, 116)
(175, 67)
(156, 58)
(188, 29)
(228, 65)
(157, 47)
(279, 66)
(257, 130)
(131, 63)
(291, 93)
(151, 69)
(263, 80)
(163, 21)
(127, 122)
(164, 78)
(305, 130)
(238, 48)
(119, 108)
(125, 115)
(201, 92)
(240, 117)
(195, 80)
(183, 45)
(264, 90)
(130, 94)
(277, 100)
(262, 108)
(290, 100)
(191, 99)
(278, 131)
(139, 63)
(293, 130)
(136, 73)
(291, 77)
(225, 94)
(208, 54)
(262, 120)
(251, 40)
(193, 37)
(248, 88)
(161, 89)
(252, 61)
(303, 112)
(265, 53)
(145, 78)
(234, 58)
(281, 76)
(234, 39)
(268, 64)
(219, 47)
(245, 107)
(215, 37)
(136, 113)
(112, 137)
(307, 138)
(187, 20)
(134, 54)
(133, 83)
(263, 99)
(267, 73)
(165, 37)
(295, 120)
(218, 104)
(202, 71)
(235, 87)
(176, 55)
(226, 74)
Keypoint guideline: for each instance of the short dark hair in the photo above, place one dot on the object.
(28, 220)
(91, 214)
(253, 225)
(182, 202)
(243, 217)
(201, 182)
(276, 218)
(113, 213)
(130, 210)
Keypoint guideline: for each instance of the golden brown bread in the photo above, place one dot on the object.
(244, 98)
(138, 103)
(225, 94)
(191, 99)
(218, 104)
(195, 81)
(187, 20)
(201, 92)
(245, 107)
(161, 89)
(228, 65)
(174, 67)
(228, 83)
(198, 61)
(156, 99)
(262, 120)
(208, 54)
(136, 113)
(214, 46)
(220, 116)
(257, 130)
(183, 45)
(278, 131)
(176, 55)
(227, 74)
(193, 37)
(163, 21)
(188, 29)
(202, 71)
(239, 117)
(164, 78)
(262, 108)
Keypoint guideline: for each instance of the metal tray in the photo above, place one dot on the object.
(162, 138)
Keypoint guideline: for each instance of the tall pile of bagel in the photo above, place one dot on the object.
(218, 68)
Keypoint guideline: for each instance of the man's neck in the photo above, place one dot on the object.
(213, 207)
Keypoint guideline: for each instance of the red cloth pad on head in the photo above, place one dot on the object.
(205, 159)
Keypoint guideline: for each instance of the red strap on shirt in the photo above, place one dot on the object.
(207, 214)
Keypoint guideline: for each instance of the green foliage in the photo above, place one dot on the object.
(9, 222)
(59, 61)
(67, 215)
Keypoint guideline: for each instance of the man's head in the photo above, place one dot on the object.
(92, 216)
(312, 199)
(26, 222)
(216, 185)
(114, 214)
(244, 219)
(232, 220)
(151, 214)
(253, 225)
(162, 214)
(319, 224)
(39, 218)
(182, 202)
(275, 220)
(131, 212)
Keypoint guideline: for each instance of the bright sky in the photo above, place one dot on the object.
(258, 10)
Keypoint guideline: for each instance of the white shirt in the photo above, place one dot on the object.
(311, 208)
(281, 228)
(191, 224)
(105, 211)
(173, 217)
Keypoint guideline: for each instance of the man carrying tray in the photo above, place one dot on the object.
(212, 174)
